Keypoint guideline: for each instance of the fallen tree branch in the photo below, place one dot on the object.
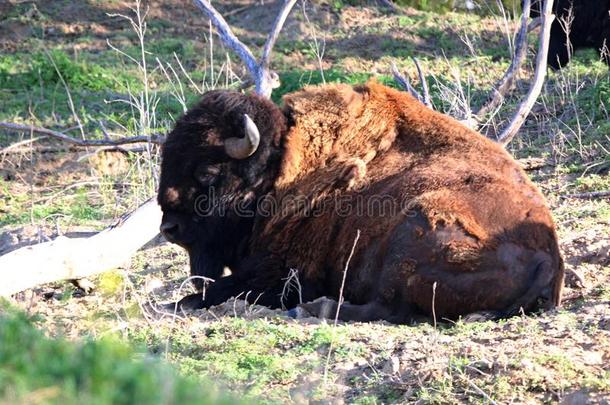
(592, 194)
(70, 258)
(156, 139)
(506, 83)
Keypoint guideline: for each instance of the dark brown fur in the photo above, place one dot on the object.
(589, 27)
(464, 230)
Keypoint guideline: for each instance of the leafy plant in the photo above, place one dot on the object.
(36, 369)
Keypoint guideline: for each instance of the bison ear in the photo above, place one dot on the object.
(207, 175)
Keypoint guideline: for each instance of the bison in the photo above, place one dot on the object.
(579, 24)
(449, 222)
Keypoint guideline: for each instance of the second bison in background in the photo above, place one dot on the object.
(578, 24)
(450, 224)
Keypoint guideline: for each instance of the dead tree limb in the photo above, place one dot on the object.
(403, 81)
(265, 79)
(526, 105)
(535, 23)
(589, 195)
(506, 83)
(65, 258)
(157, 139)
(424, 84)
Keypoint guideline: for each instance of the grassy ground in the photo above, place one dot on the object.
(57, 70)
(35, 369)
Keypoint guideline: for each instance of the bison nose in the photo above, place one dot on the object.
(170, 230)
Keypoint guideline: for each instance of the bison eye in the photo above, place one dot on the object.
(207, 175)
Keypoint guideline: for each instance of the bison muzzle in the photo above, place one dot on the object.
(449, 222)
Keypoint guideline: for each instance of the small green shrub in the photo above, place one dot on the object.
(36, 369)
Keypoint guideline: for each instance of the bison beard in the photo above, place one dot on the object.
(589, 27)
(439, 206)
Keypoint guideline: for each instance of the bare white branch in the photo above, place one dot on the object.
(275, 32)
(506, 83)
(539, 75)
(265, 80)
(69, 258)
(424, 84)
(228, 37)
(404, 82)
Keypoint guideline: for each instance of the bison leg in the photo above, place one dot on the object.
(559, 52)
(258, 279)
(215, 293)
(326, 308)
(482, 316)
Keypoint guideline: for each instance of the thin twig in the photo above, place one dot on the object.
(475, 387)
(434, 304)
(68, 94)
(592, 194)
(349, 258)
(291, 282)
(16, 146)
(237, 10)
(339, 302)
(157, 139)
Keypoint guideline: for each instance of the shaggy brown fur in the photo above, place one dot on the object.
(439, 207)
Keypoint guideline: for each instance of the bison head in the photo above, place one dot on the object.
(220, 158)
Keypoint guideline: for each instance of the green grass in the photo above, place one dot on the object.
(442, 6)
(74, 206)
(30, 71)
(36, 369)
(266, 356)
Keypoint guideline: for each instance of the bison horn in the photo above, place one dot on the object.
(241, 148)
